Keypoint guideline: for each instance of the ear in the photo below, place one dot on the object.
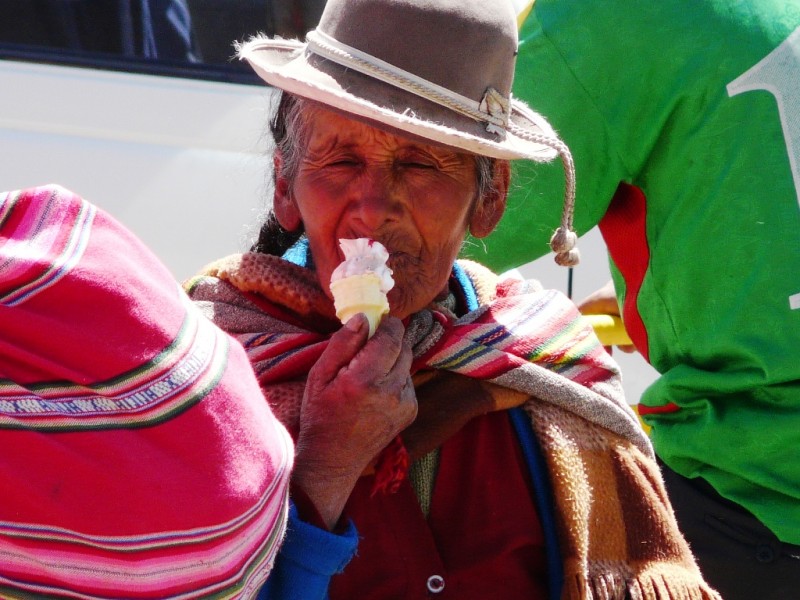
(284, 206)
(491, 206)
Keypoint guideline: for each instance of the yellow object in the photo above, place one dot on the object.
(610, 330)
(644, 425)
(360, 293)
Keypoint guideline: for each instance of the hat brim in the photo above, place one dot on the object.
(285, 64)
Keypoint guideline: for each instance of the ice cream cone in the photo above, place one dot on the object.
(360, 293)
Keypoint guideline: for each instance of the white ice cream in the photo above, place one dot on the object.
(360, 283)
(361, 256)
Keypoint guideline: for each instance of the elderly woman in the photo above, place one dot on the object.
(477, 446)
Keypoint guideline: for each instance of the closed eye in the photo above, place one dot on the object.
(344, 162)
(410, 164)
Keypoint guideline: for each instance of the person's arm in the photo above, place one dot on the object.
(359, 396)
(561, 75)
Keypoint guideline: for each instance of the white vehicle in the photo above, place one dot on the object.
(175, 149)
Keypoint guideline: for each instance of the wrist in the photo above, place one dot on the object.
(322, 495)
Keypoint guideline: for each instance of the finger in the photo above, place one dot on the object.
(404, 354)
(601, 301)
(344, 345)
(597, 305)
(391, 328)
(380, 354)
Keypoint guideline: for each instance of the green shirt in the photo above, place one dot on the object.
(694, 106)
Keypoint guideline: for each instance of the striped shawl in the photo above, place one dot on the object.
(617, 532)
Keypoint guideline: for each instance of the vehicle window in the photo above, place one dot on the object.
(191, 38)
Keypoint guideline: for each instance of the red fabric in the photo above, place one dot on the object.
(139, 459)
(624, 229)
(483, 535)
(391, 468)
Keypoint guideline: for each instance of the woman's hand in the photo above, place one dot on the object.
(358, 397)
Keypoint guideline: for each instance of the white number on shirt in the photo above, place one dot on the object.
(779, 74)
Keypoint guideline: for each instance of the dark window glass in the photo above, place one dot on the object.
(191, 38)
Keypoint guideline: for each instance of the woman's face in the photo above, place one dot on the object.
(357, 181)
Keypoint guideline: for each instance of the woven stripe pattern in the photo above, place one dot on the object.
(139, 458)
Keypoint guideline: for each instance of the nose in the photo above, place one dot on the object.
(377, 199)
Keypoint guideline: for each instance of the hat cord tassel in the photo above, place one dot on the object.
(564, 239)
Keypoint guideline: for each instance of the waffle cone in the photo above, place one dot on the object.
(357, 294)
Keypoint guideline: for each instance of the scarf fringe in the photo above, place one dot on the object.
(678, 584)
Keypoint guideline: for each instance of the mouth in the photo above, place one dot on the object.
(396, 245)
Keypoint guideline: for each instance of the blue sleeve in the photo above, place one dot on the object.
(308, 558)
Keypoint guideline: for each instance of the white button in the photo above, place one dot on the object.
(435, 584)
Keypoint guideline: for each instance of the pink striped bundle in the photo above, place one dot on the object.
(138, 458)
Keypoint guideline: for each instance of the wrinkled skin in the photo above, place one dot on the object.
(419, 201)
(359, 396)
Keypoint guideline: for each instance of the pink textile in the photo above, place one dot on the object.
(138, 455)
